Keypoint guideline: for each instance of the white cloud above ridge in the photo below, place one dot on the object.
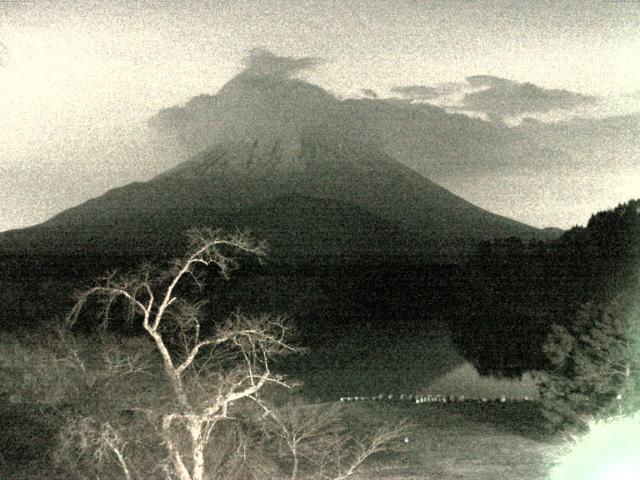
(368, 93)
(509, 102)
(263, 62)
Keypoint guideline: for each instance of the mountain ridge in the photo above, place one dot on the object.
(275, 137)
(220, 183)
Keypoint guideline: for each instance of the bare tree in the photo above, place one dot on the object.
(210, 370)
(317, 436)
(99, 441)
(343, 454)
(302, 429)
(190, 349)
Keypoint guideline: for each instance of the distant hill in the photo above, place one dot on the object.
(514, 291)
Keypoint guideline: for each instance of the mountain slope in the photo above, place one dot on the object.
(515, 171)
(232, 176)
(293, 225)
(269, 139)
(429, 139)
(223, 185)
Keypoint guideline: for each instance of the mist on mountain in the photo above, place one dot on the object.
(486, 162)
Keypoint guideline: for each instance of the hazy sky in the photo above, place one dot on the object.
(78, 79)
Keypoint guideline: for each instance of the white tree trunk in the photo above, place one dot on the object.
(197, 444)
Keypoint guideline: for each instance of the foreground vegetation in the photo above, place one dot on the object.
(447, 442)
(174, 392)
(514, 291)
(186, 400)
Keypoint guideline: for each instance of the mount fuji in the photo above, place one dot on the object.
(286, 160)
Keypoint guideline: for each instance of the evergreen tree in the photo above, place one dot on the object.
(594, 363)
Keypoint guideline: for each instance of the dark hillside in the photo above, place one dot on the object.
(515, 290)
(226, 184)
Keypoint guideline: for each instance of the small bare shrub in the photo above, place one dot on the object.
(319, 442)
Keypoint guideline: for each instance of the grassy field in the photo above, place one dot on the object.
(455, 441)
(26, 435)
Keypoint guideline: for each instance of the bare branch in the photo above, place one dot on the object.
(205, 245)
(193, 353)
(108, 293)
(202, 395)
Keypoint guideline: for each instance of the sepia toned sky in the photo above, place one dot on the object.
(79, 79)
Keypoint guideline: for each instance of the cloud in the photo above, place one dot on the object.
(367, 92)
(416, 92)
(262, 62)
(499, 99)
(264, 100)
(429, 92)
(472, 158)
(504, 98)
(488, 81)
